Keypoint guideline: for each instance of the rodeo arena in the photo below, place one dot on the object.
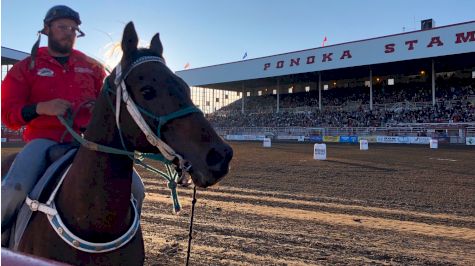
(355, 153)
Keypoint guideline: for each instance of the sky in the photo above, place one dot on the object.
(209, 32)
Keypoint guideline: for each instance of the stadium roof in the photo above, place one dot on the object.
(11, 56)
(451, 47)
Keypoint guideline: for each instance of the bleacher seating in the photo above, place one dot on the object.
(349, 107)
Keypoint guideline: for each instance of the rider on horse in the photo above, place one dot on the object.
(52, 81)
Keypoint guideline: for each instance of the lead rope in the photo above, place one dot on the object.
(190, 234)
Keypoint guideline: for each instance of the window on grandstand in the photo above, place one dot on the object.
(5, 69)
(226, 96)
(307, 88)
(325, 87)
(207, 103)
(217, 100)
(248, 93)
(473, 74)
(291, 89)
(274, 92)
(259, 93)
(366, 83)
(390, 81)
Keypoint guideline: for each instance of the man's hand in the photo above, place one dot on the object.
(53, 107)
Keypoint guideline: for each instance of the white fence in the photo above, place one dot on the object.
(456, 133)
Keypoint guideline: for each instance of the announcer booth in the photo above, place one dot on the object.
(383, 60)
(9, 58)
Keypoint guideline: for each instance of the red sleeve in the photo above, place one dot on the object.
(15, 93)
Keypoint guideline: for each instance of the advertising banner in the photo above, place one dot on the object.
(245, 137)
(287, 137)
(349, 139)
(315, 138)
(403, 140)
(370, 139)
(419, 140)
(331, 138)
(387, 139)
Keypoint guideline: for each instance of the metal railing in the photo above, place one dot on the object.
(452, 132)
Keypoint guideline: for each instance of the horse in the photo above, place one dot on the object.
(94, 200)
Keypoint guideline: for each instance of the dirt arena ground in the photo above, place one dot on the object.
(390, 205)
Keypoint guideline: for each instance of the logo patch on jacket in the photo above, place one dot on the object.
(83, 70)
(45, 72)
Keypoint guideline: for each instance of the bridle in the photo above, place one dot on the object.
(137, 111)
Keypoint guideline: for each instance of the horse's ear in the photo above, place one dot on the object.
(130, 40)
(156, 45)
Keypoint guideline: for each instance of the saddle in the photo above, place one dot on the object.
(57, 151)
(58, 158)
(52, 154)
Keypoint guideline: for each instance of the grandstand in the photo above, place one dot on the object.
(417, 84)
(412, 84)
(9, 58)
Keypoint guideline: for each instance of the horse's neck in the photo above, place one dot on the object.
(95, 195)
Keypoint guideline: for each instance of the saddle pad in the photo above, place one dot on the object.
(25, 213)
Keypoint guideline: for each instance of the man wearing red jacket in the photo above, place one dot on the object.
(37, 89)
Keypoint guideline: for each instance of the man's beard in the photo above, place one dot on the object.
(56, 46)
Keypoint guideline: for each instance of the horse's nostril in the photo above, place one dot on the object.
(213, 157)
(229, 154)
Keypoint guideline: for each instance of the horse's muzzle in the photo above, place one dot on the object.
(219, 163)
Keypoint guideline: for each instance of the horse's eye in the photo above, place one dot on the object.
(148, 92)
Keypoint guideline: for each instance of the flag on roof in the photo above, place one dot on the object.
(324, 40)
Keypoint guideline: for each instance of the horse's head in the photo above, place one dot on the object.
(164, 101)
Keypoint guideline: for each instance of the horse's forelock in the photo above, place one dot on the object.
(145, 52)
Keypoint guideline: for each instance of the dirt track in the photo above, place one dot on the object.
(393, 204)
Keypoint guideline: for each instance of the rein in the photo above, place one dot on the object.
(190, 231)
(138, 157)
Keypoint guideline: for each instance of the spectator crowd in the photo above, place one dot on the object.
(349, 107)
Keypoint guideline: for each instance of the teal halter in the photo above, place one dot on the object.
(120, 84)
(162, 120)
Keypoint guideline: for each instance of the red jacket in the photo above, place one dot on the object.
(79, 80)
